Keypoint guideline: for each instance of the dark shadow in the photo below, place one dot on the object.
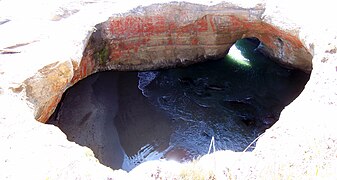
(127, 118)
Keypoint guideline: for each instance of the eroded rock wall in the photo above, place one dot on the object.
(167, 35)
(41, 51)
(181, 33)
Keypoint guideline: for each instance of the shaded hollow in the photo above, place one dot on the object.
(127, 118)
(163, 36)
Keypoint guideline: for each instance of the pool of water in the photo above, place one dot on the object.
(127, 118)
(233, 99)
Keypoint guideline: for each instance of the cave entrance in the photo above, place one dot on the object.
(127, 118)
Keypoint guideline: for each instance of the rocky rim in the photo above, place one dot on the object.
(41, 56)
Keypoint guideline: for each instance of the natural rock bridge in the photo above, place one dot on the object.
(46, 49)
(169, 35)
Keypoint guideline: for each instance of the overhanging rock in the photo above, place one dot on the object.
(166, 35)
(41, 51)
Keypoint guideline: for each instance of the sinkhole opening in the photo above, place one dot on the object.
(127, 118)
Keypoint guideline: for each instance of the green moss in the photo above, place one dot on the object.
(102, 56)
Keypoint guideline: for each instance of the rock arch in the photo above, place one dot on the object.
(167, 35)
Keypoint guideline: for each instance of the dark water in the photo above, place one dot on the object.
(174, 113)
(234, 102)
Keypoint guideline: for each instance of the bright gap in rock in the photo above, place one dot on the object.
(127, 118)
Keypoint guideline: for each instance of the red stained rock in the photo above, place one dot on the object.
(180, 34)
(150, 40)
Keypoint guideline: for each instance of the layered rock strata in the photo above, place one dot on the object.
(47, 47)
(162, 36)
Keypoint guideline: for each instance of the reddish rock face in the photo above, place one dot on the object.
(50, 81)
(183, 34)
(168, 35)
